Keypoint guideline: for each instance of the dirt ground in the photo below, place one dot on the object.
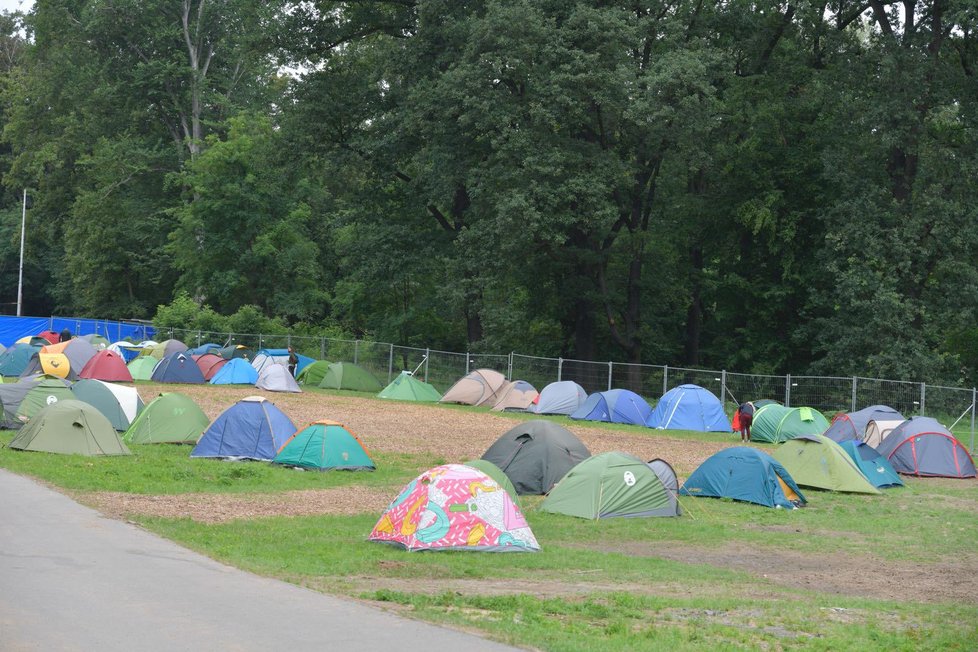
(457, 435)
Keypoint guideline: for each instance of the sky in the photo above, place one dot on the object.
(15, 5)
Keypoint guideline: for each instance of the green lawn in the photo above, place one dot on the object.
(835, 575)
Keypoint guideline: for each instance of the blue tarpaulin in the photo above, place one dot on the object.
(14, 328)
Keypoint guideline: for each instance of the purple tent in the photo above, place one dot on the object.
(921, 446)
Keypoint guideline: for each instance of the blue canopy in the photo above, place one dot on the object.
(874, 466)
(614, 406)
(178, 367)
(253, 429)
(689, 407)
(237, 371)
(745, 474)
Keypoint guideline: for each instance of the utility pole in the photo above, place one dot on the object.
(20, 276)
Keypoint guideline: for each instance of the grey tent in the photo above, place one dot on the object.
(853, 425)
(922, 446)
(667, 475)
(536, 454)
(517, 395)
(562, 397)
(276, 378)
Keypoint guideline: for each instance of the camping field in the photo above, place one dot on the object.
(896, 571)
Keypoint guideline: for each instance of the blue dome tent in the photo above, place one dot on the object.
(689, 407)
(614, 406)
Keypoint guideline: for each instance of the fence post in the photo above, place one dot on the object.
(853, 394)
(466, 363)
(260, 345)
(787, 390)
(560, 368)
(322, 348)
(611, 371)
(510, 375)
(923, 398)
(356, 350)
(390, 364)
(974, 396)
(665, 379)
(427, 356)
(723, 388)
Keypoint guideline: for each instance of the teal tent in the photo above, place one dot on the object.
(325, 446)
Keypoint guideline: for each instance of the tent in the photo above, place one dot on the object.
(536, 454)
(614, 406)
(265, 357)
(817, 461)
(64, 359)
(667, 475)
(776, 423)
(106, 365)
(177, 367)
(496, 474)
(70, 427)
(562, 397)
(142, 367)
(922, 446)
(276, 378)
(479, 387)
(253, 428)
(126, 350)
(853, 425)
(98, 342)
(455, 507)
(611, 485)
(12, 395)
(346, 375)
(745, 474)
(209, 364)
(101, 396)
(325, 446)
(35, 340)
(877, 431)
(516, 395)
(203, 349)
(165, 348)
(689, 407)
(406, 387)
(874, 466)
(15, 359)
(47, 392)
(313, 373)
(170, 418)
(237, 371)
(235, 351)
(52, 337)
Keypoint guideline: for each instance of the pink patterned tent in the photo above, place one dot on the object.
(455, 507)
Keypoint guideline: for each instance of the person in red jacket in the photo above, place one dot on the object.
(745, 414)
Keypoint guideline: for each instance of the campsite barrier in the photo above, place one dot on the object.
(953, 406)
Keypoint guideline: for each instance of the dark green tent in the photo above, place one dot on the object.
(536, 454)
(45, 393)
(70, 427)
(345, 375)
(611, 485)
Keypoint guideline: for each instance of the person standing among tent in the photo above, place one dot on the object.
(293, 361)
(745, 414)
(64, 336)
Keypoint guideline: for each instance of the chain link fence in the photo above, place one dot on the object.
(952, 406)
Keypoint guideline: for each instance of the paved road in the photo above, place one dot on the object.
(71, 579)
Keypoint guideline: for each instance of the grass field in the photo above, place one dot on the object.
(896, 571)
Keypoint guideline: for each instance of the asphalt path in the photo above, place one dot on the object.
(71, 579)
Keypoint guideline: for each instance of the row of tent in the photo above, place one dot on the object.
(253, 428)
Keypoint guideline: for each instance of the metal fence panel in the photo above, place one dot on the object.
(539, 372)
(711, 380)
(644, 379)
(827, 394)
(754, 387)
(899, 395)
(592, 376)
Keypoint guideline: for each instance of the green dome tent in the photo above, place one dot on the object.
(775, 423)
(45, 393)
(817, 461)
(312, 374)
(345, 375)
(101, 395)
(611, 485)
(70, 427)
(408, 388)
(325, 446)
(142, 367)
(171, 418)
